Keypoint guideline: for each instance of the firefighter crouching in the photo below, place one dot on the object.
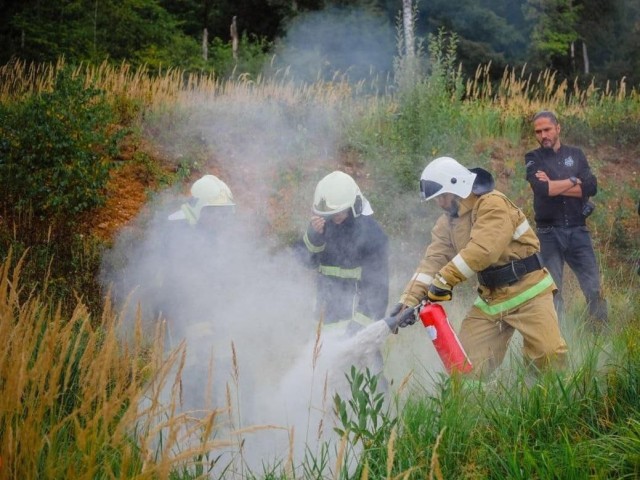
(483, 234)
(349, 249)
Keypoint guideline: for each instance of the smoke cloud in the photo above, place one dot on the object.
(238, 299)
(339, 42)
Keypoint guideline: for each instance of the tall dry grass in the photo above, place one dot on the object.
(520, 92)
(76, 401)
(19, 79)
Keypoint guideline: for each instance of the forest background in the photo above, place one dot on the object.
(581, 39)
(110, 110)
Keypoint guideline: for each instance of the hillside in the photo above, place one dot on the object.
(131, 183)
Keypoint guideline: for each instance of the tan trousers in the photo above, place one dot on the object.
(486, 339)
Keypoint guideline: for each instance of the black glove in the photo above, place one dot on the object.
(400, 318)
(407, 317)
(439, 290)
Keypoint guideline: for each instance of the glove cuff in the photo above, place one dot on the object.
(441, 282)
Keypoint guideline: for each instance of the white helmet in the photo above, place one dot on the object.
(208, 191)
(212, 192)
(336, 193)
(446, 175)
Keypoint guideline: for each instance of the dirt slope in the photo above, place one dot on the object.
(130, 183)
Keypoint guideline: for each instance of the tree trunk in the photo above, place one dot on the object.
(573, 56)
(234, 38)
(407, 26)
(205, 44)
(95, 27)
(206, 11)
(585, 57)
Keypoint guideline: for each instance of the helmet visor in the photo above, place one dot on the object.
(429, 188)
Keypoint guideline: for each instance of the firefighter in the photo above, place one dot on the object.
(349, 249)
(483, 234)
(207, 191)
(199, 246)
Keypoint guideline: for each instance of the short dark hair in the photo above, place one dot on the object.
(546, 114)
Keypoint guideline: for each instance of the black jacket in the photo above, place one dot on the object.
(561, 210)
(353, 264)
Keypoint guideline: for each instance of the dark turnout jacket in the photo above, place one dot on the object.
(561, 210)
(353, 268)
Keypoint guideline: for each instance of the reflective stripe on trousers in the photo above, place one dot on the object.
(331, 271)
(516, 301)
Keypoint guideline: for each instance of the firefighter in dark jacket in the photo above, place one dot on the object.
(562, 183)
(349, 249)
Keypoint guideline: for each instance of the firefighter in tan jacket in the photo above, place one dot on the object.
(483, 234)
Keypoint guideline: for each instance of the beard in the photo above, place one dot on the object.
(453, 208)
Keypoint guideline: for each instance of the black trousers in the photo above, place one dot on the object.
(573, 246)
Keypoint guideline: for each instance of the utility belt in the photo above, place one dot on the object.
(510, 273)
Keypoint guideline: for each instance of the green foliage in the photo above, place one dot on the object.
(489, 31)
(365, 420)
(428, 122)
(55, 150)
(169, 33)
(252, 56)
(555, 28)
(139, 31)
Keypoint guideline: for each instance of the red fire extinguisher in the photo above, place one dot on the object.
(444, 338)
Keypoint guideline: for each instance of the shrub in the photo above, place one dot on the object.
(55, 150)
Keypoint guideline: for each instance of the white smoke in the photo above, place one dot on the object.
(240, 302)
(247, 310)
(345, 43)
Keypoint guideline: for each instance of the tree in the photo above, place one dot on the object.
(140, 31)
(554, 32)
(611, 32)
(488, 30)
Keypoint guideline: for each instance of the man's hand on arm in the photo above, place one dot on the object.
(565, 187)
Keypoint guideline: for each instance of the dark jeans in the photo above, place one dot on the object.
(573, 246)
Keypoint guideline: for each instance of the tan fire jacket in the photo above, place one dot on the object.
(489, 231)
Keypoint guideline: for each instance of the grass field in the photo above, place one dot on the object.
(80, 400)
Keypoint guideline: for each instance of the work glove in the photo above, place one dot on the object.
(399, 318)
(408, 317)
(439, 290)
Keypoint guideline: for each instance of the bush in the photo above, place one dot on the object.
(55, 150)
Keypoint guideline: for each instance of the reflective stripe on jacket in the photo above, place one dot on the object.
(352, 261)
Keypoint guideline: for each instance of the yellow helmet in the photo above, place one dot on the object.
(208, 191)
(336, 193)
